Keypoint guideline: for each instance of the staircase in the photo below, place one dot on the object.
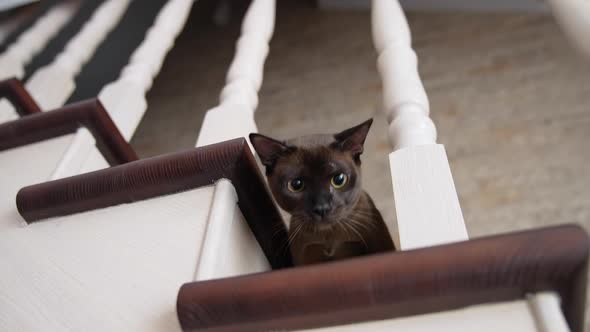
(94, 238)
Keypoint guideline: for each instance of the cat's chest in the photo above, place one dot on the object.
(331, 245)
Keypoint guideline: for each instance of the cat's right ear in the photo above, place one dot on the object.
(268, 149)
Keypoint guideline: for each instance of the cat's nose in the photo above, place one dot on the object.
(321, 210)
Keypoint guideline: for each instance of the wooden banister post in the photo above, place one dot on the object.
(124, 99)
(428, 210)
(426, 201)
(53, 84)
(13, 90)
(20, 53)
(234, 117)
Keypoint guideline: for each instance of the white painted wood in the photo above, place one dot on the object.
(404, 100)
(26, 165)
(546, 309)
(113, 269)
(234, 117)
(124, 99)
(427, 207)
(32, 41)
(573, 16)
(92, 161)
(29, 44)
(506, 317)
(76, 155)
(229, 248)
(7, 112)
(426, 201)
(428, 210)
(52, 85)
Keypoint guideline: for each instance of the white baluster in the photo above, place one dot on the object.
(234, 117)
(573, 16)
(427, 206)
(20, 53)
(124, 99)
(404, 100)
(52, 85)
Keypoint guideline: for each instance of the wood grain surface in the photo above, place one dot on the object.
(162, 175)
(66, 120)
(13, 90)
(489, 269)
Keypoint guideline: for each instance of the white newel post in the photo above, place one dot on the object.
(32, 41)
(53, 84)
(234, 116)
(124, 99)
(426, 201)
(428, 210)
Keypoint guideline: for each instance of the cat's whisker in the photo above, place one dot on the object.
(352, 228)
(363, 214)
(361, 224)
(344, 229)
(293, 235)
(278, 228)
(290, 235)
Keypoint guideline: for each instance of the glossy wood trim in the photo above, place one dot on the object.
(168, 174)
(13, 90)
(66, 120)
(452, 276)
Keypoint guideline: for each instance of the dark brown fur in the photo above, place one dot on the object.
(327, 223)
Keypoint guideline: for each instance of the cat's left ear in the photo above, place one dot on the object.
(268, 149)
(353, 139)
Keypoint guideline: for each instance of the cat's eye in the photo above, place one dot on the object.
(296, 185)
(339, 180)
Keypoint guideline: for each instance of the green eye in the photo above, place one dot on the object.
(339, 180)
(296, 185)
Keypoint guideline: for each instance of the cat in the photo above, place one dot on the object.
(317, 179)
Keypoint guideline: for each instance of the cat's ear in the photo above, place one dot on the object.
(268, 149)
(353, 139)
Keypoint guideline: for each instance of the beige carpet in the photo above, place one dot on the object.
(508, 95)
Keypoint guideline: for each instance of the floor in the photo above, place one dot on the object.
(508, 95)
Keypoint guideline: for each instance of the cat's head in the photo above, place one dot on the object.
(317, 177)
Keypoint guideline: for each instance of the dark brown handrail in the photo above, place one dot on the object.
(66, 120)
(13, 90)
(490, 269)
(164, 175)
